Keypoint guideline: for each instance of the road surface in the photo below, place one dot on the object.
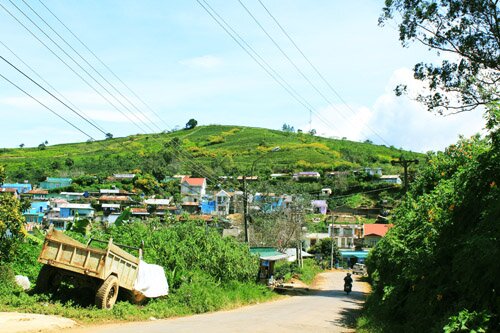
(326, 309)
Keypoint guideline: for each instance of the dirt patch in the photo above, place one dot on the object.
(14, 322)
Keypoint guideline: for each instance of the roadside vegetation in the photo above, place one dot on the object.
(205, 273)
(441, 251)
(436, 270)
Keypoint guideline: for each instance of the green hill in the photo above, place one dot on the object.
(207, 151)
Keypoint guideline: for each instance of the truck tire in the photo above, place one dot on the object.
(107, 293)
(45, 281)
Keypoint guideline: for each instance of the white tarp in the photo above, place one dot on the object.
(151, 280)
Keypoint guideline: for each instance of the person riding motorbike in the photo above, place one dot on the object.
(348, 283)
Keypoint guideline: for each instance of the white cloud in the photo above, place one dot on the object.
(206, 62)
(400, 121)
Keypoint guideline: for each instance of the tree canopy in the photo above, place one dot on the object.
(191, 123)
(469, 31)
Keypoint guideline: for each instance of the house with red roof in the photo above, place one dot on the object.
(193, 190)
(373, 233)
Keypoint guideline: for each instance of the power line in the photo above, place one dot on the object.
(48, 84)
(48, 92)
(67, 65)
(102, 63)
(315, 68)
(45, 106)
(175, 148)
(288, 57)
(291, 91)
(90, 65)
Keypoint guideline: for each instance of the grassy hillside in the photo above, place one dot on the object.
(206, 150)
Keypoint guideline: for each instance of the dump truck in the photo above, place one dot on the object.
(106, 271)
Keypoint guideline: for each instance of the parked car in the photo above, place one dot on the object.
(359, 269)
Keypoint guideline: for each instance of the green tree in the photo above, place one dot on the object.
(11, 226)
(191, 124)
(69, 162)
(2, 174)
(109, 136)
(324, 247)
(430, 257)
(468, 30)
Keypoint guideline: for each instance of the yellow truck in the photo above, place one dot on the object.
(104, 270)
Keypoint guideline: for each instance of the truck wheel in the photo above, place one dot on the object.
(107, 293)
(45, 281)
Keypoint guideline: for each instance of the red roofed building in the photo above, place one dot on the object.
(193, 189)
(10, 191)
(374, 232)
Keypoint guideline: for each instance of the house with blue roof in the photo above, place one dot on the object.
(36, 213)
(51, 183)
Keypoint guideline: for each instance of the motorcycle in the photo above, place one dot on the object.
(347, 287)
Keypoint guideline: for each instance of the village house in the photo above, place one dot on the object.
(373, 233)
(80, 210)
(123, 176)
(35, 215)
(37, 194)
(192, 191)
(222, 203)
(319, 206)
(62, 213)
(72, 196)
(391, 179)
(159, 207)
(10, 191)
(311, 239)
(51, 183)
(306, 175)
(20, 187)
(373, 171)
(346, 236)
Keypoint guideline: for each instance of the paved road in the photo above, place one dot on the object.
(328, 309)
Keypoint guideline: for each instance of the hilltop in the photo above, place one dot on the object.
(207, 151)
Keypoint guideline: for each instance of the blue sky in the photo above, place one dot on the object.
(183, 65)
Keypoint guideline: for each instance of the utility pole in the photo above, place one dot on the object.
(245, 207)
(405, 163)
(246, 216)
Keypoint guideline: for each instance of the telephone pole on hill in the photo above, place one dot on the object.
(405, 163)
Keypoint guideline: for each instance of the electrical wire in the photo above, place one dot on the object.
(102, 63)
(67, 65)
(315, 68)
(268, 71)
(48, 84)
(93, 68)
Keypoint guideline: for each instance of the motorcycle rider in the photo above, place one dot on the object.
(348, 283)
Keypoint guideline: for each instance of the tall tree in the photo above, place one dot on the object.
(191, 123)
(469, 31)
(11, 226)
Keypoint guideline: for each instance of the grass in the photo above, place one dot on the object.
(175, 305)
(242, 144)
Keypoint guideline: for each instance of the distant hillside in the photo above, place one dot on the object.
(207, 151)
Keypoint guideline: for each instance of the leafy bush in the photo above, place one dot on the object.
(467, 321)
(286, 270)
(442, 250)
(7, 283)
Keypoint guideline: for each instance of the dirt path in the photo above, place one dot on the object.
(13, 322)
(326, 309)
